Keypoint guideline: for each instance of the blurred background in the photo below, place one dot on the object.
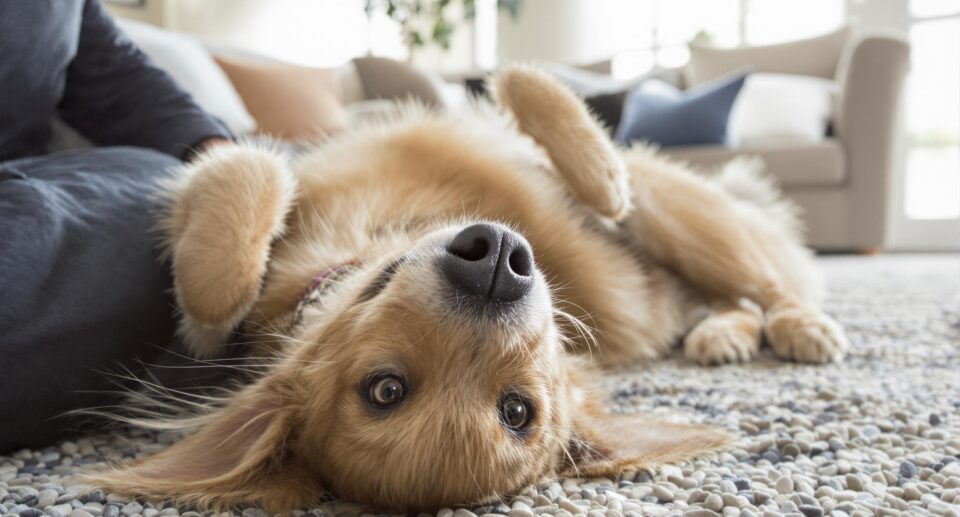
(458, 41)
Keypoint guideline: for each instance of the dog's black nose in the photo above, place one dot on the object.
(490, 261)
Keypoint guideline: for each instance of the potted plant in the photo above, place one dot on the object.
(430, 22)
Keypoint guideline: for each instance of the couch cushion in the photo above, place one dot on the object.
(817, 56)
(809, 165)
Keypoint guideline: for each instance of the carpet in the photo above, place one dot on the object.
(878, 434)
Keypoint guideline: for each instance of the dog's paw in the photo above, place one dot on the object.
(611, 195)
(604, 188)
(720, 340)
(203, 341)
(805, 335)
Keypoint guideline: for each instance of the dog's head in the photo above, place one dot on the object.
(446, 383)
(433, 375)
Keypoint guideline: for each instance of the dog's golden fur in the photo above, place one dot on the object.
(633, 253)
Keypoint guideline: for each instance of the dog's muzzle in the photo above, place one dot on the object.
(490, 262)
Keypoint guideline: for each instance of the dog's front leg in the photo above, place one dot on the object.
(225, 210)
(577, 144)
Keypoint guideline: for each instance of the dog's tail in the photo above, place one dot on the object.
(745, 178)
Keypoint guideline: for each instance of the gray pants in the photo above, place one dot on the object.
(82, 292)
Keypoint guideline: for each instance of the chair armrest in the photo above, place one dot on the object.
(871, 74)
(869, 125)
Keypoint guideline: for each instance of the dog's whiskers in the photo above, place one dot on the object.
(582, 329)
(160, 408)
(481, 500)
(566, 452)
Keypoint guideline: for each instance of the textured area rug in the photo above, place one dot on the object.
(878, 434)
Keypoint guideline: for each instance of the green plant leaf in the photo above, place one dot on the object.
(414, 39)
(510, 6)
(408, 13)
(442, 32)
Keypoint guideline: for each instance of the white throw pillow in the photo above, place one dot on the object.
(191, 65)
(774, 109)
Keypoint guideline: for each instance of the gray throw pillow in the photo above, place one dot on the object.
(660, 113)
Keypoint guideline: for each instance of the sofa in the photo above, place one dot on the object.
(844, 182)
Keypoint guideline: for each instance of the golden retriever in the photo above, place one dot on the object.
(431, 288)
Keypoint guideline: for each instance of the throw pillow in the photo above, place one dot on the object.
(658, 112)
(288, 101)
(778, 108)
(385, 78)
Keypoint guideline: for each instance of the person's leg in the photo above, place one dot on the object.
(82, 291)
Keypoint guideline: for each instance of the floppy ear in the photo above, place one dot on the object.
(238, 456)
(607, 444)
(226, 209)
(577, 145)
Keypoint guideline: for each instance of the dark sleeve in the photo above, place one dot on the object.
(115, 96)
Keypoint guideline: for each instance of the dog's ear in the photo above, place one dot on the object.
(605, 444)
(225, 210)
(239, 455)
(577, 144)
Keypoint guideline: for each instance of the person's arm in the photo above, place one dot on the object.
(115, 96)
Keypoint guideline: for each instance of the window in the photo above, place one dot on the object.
(776, 21)
(927, 206)
(725, 23)
(932, 186)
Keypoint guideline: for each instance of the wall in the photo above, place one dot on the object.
(590, 30)
(873, 14)
(322, 33)
(153, 12)
(569, 30)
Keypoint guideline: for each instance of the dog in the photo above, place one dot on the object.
(433, 289)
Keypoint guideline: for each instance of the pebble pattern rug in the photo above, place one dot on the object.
(878, 434)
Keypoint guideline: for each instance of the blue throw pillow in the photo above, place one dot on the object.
(662, 114)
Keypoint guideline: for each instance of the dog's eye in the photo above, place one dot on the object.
(386, 390)
(515, 412)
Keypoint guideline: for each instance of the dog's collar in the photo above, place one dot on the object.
(318, 286)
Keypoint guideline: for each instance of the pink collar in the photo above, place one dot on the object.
(320, 284)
